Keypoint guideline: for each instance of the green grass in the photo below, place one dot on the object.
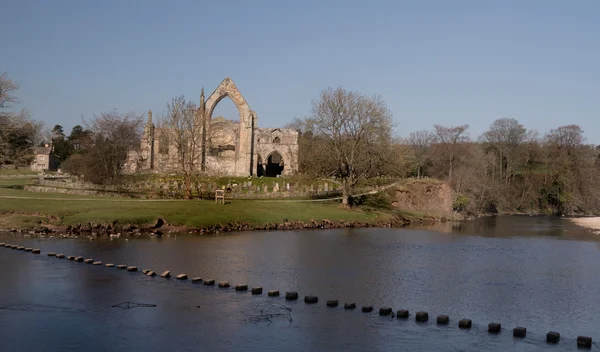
(71, 209)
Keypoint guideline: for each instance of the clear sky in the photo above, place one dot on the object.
(433, 62)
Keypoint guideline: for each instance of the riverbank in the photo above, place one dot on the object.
(592, 223)
(42, 213)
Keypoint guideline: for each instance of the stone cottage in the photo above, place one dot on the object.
(44, 158)
(227, 147)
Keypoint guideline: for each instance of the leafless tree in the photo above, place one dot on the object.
(182, 130)
(451, 139)
(504, 138)
(7, 89)
(419, 143)
(111, 137)
(351, 132)
(19, 134)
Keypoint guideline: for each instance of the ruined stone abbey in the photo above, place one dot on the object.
(227, 147)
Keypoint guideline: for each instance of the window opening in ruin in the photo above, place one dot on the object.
(277, 140)
(163, 144)
(260, 170)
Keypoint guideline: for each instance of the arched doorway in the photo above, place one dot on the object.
(275, 165)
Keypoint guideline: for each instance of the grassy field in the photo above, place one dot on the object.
(29, 209)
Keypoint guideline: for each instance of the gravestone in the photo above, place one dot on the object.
(276, 187)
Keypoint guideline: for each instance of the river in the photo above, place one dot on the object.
(536, 272)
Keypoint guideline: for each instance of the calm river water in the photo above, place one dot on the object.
(540, 273)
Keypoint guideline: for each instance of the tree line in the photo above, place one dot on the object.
(349, 136)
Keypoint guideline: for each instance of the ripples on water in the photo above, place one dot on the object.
(533, 272)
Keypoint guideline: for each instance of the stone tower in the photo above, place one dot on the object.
(147, 147)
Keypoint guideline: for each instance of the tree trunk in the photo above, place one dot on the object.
(345, 193)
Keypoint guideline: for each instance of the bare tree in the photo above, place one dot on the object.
(450, 139)
(104, 152)
(504, 139)
(182, 130)
(351, 132)
(419, 143)
(18, 133)
(7, 89)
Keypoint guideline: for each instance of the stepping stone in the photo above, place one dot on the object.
(71, 257)
(311, 299)
(349, 305)
(273, 293)
(402, 314)
(166, 274)
(367, 309)
(332, 303)
(443, 320)
(145, 271)
(60, 256)
(385, 311)
(209, 282)
(151, 273)
(291, 296)
(36, 251)
(181, 277)
(97, 263)
(78, 259)
(552, 337)
(21, 248)
(241, 287)
(422, 317)
(121, 266)
(224, 284)
(52, 254)
(132, 268)
(519, 332)
(196, 280)
(109, 265)
(28, 249)
(257, 290)
(89, 261)
(494, 328)
(465, 324)
(584, 342)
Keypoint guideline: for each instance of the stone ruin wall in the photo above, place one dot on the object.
(226, 153)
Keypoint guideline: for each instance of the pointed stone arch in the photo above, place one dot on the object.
(245, 148)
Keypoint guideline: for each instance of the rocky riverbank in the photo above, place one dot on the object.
(162, 227)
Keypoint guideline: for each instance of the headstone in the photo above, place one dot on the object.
(249, 183)
(312, 188)
(326, 187)
(287, 187)
(266, 189)
(276, 187)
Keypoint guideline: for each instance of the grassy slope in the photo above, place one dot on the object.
(73, 210)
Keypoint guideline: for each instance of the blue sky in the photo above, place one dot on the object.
(433, 62)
